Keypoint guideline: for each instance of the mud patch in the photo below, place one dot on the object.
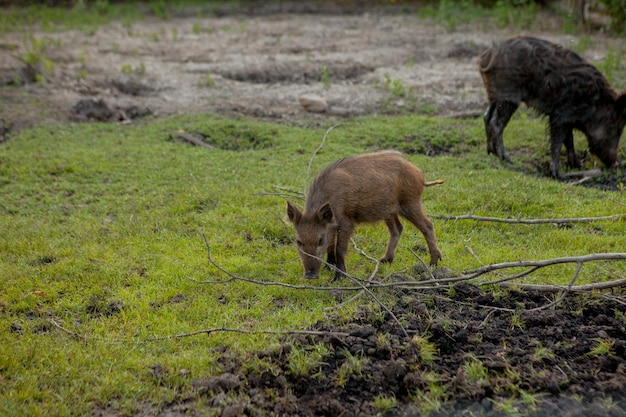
(132, 87)
(294, 72)
(229, 137)
(470, 351)
(98, 306)
(89, 110)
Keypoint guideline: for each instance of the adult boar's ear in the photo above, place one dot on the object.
(325, 214)
(620, 106)
(293, 213)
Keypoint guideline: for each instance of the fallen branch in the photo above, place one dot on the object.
(443, 283)
(358, 281)
(319, 148)
(76, 335)
(534, 265)
(585, 174)
(208, 332)
(285, 193)
(564, 293)
(432, 277)
(369, 281)
(529, 221)
(234, 277)
(190, 138)
(576, 288)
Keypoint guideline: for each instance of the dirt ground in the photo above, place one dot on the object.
(257, 62)
(543, 358)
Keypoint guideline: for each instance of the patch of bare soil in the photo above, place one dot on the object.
(466, 354)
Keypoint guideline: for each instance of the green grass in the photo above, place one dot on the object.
(102, 233)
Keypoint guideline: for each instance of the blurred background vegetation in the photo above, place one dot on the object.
(604, 15)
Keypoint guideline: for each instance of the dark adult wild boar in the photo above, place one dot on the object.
(558, 83)
(358, 189)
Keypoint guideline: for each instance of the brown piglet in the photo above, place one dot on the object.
(359, 189)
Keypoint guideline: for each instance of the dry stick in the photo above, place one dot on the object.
(432, 277)
(586, 174)
(319, 148)
(194, 140)
(284, 193)
(369, 281)
(442, 282)
(354, 279)
(619, 300)
(380, 303)
(566, 291)
(529, 221)
(365, 288)
(480, 271)
(215, 330)
(576, 288)
(540, 264)
(230, 330)
(234, 277)
(78, 336)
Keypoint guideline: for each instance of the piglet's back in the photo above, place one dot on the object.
(361, 184)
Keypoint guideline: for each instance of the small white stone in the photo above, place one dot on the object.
(313, 103)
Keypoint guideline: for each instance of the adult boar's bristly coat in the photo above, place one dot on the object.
(359, 189)
(558, 83)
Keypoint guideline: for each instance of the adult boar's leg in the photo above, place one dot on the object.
(558, 136)
(395, 230)
(572, 158)
(415, 214)
(496, 118)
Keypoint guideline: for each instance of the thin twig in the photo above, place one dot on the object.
(484, 322)
(564, 293)
(369, 292)
(208, 332)
(540, 264)
(234, 277)
(432, 277)
(78, 336)
(319, 148)
(285, 193)
(445, 282)
(369, 280)
(588, 174)
(380, 303)
(576, 288)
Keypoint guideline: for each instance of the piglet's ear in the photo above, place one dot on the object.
(620, 106)
(325, 214)
(293, 213)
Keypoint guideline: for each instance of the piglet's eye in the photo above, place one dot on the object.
(299, 243)
(320, 242)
